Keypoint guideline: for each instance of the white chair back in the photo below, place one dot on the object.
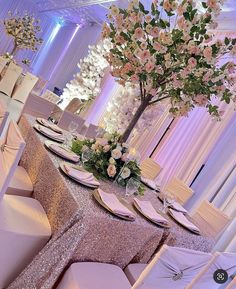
(67, 117)
(216, 219)
(9, 79)
(150, 169)
(38, 106)
(225, 261)
(3, 63)
(39, 86)
(11, 149)
(92, 131)
(179, 189)
(23, 90)
(50, 96)
(172, 267)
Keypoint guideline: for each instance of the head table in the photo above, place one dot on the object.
(82, 229)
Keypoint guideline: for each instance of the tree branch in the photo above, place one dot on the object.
(159, 99)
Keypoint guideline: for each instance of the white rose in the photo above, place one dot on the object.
(125, 173)
(112, 161)
(116, 154)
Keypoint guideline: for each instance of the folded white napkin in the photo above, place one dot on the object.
(83, 177)
(48, 132)
(112, 202)
(64, 152)
(150, 183)
(50, 125)
(180, 217)
(147, 209)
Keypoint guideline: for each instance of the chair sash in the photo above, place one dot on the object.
(9, 79)
(3, 116)
(11, 149)
(225, 261)
(22, 91)
(172, 267)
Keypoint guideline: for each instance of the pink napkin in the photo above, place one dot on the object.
(180, 217)
(148, 210)
(48, 132)
(112, 202)
(50, 125)
(83, 177)
(64, 153)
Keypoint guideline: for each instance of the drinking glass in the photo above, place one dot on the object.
(86, 156)
(131, 187)
(168, 199)
(73, 126)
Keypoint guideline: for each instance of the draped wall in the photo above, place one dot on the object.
(64, 44)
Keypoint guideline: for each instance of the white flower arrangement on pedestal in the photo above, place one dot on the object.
(86, 84)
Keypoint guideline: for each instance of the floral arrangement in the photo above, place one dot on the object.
(24, 29)
(170, 52)
(110, 159)
(86, 84)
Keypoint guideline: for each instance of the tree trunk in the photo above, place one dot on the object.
(14, 50)
(144, 104)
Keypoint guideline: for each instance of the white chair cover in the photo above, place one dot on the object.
(3, 117)
(3, 62)
(9, 79)
(92, 131)
(38, 106)
(67, 117)
(39, 86)
(225, 261)
(172, 267)
(50, 96)
(150, 169)
(179, 189)
(11, 150)
(22, 91)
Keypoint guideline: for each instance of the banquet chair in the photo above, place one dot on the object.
(225, 261)
(50, 96)
(3, 63)
(9, 79)
(87, 275)
(91, 131)
(216, 219)
(38, 106)
(150, 169)
(39, 86)
(22, 91)
(24, 227)
(172, 267)
(179, 189)
(3, 117)
(67, 117)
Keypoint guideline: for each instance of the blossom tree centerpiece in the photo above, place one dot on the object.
(171, 54)
(24, 30)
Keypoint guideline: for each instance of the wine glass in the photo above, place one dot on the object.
(73, 126)
(86, 156)
(168, 200)
(132, 187)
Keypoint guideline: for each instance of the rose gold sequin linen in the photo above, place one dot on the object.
(82, 230)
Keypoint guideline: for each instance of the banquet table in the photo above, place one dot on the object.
(84, 231)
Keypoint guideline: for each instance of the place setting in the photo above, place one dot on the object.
(58, 137)
(49, 124)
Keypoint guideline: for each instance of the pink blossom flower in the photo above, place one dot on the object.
(207, 52)
(192, 62)
(143, 45)
(167, 5)
(149, 67)
(145, 54)
(111, 170)
(200, 100)
(155, 32)
(139, 34)
(134, 78)
(148, 18)
(106, 148)
(157, 46)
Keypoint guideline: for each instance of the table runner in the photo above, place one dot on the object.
(82, 230)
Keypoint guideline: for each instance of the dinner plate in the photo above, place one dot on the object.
(80, 169)
(146, 216)
(48, 124)
(182, 224)
(48, 144)
(38, 128)
(99, 200)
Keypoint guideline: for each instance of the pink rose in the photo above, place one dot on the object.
(145, 54)
(149, 67)
(106, 148)
(192, 62)
(111, 171)
(139, 34)
(207, 52)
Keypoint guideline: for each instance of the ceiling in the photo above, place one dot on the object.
(94, 11)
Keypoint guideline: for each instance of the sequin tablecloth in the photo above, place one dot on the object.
(82, 230)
